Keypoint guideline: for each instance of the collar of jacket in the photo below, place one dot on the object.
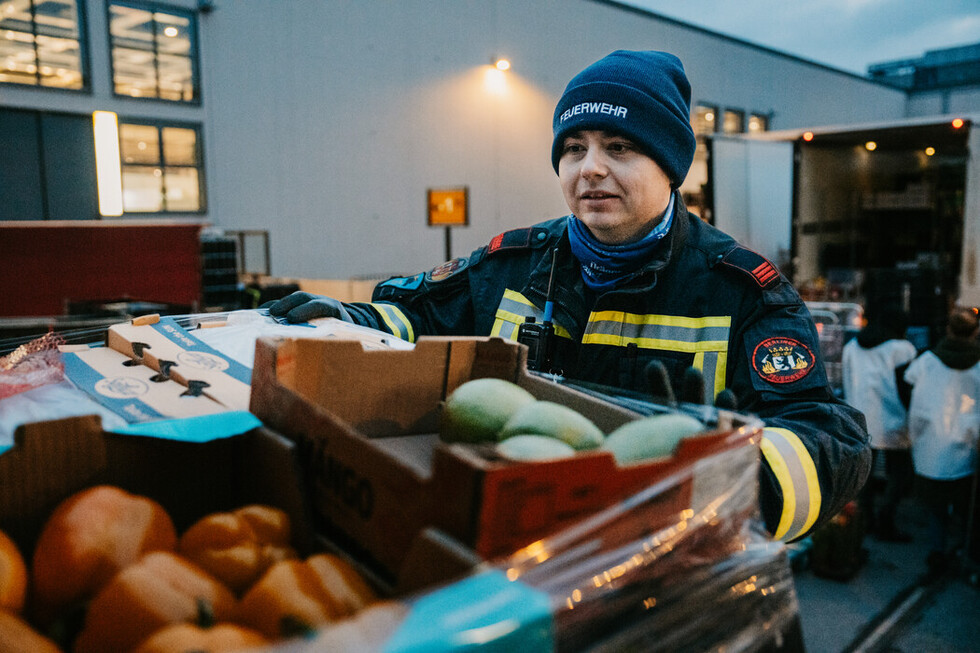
(675, 240)
(570, 293)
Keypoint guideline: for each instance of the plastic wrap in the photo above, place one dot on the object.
(638, 576)
(31, 365)
(50, 402)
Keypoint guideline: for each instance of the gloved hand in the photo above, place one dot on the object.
(691, 390)
(303, 307)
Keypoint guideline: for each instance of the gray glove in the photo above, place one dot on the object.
(304, 306)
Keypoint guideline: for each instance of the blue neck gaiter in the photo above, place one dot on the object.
(605, 266)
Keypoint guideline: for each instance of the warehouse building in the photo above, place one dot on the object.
(347, 131)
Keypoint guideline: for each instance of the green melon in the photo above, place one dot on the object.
(534, 447)
(477, 410)
(556, 421)
(650, 437)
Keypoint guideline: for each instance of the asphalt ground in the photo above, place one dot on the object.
(892, 603)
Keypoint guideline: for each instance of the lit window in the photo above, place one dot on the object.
(705, 119)
(154, 53)
(161, 169)
(40, 43)
(758, 123)
(733, 122)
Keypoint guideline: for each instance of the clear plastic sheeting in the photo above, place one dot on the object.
(635, 578)
(50, 402)
(31, 365)
(683, 565)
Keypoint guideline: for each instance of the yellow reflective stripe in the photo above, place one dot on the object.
(704, 337)
(663, 320)
(513, 295)
(712, 367)
(513, 301)
(720, 366)
(507, 316)
(669, 332)
(504, 329)
(796, 474)
(398, 323)
(655, 343)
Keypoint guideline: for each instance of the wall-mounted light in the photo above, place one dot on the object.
(871, 146)
(108, 168)
(957, 123)
(808, 136)
(495, 80)
(930, 151)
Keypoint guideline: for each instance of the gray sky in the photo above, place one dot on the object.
(845, 34)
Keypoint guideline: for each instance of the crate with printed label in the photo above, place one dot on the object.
(367, 424)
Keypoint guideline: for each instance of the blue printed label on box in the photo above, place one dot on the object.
(135, 392)
(485, 612)
(187, 358)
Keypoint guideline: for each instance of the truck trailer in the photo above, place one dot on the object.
(874, 214)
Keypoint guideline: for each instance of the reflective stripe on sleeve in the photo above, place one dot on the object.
(513, 310)
(796, 474)
(397, 322)
(705, 337)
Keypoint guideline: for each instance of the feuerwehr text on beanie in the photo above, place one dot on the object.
(642, 95)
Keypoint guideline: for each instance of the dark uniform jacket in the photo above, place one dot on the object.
(702, 301)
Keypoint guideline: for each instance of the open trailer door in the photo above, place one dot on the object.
(753, 194)
(969, 291)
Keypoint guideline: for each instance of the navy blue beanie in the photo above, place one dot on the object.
(644, 96)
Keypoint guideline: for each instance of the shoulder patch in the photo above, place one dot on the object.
(754, 265)
(446, 270)
(514, 239)
(782, 360)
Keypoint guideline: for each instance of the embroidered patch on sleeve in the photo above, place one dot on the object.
(446, 270)
(782, 360)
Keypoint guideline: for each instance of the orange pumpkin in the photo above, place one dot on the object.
(13, 576)
(237, 547)
(90, 536)
(159, 590)
(17, 636)
(187, 638)
(296, 596)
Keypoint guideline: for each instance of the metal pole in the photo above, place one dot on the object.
(449, 243)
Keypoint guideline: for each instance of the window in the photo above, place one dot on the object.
(40, 43)
(758, 123)
(705, 119)
(161, 168)
(733, 122)
(154, 52)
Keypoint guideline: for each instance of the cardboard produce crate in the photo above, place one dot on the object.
(366, 423)
(52, 460)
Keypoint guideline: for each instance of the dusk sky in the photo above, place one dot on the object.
(845, 34)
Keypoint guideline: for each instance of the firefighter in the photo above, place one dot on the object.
(634, 278)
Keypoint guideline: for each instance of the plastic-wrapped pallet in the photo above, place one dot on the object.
(708, 580)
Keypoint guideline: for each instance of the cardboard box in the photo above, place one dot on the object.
(52, 460)
(168, 348)
(136, 392)
(367, 422)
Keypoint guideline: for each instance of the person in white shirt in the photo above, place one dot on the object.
(871, 362)
(944, 426)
